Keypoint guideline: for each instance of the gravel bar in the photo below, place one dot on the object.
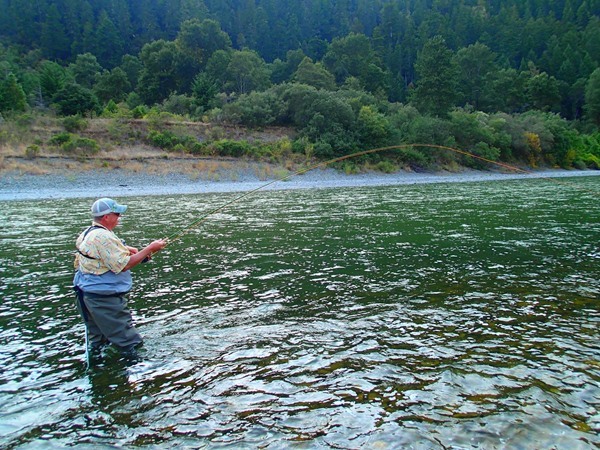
(122, 183)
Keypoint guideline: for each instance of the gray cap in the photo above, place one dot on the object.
(104, 206)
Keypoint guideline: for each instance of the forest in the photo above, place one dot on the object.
(509, 80)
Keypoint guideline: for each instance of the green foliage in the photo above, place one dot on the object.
(386, 167)
(73, 144)
(139, 112)
(436, 89)
(204, 90)
(181, 105)
(592, 97)
(60, 138)
(163, 139)
(74, 99)
(315, 75)
(52, 78)
(373, 127)
(81, 146)
(255, 110)
(85, 70)
(168, 140)
(112, 85)
(353, 56)
(227, 147)
(32, 151)
(12, 96)
(74, 123)
(246, 72)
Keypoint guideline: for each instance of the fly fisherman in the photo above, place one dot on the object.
(103, 279)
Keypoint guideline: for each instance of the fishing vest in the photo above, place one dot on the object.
(108, 283)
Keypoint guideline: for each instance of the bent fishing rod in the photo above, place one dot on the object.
(175, 236)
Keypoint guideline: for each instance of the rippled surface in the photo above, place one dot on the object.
(433, 316)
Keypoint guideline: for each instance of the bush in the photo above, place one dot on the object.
(139, 112)
(588, 161)
(386, 167)
(74, 123)
(60, 138)
(226, 147)
(163, 139)
(81, 146)
(32, 151)
(256, 109)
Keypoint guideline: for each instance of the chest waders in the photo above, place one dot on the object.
(82, 308)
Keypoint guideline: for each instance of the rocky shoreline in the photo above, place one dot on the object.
(122, 183)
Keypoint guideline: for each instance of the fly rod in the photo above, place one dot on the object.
(195, 223)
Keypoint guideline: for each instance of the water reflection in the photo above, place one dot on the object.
(424, 317)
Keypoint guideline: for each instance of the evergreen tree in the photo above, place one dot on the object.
(85, 70)
(74, 99)
(437, 84)
(592, 98)
(474, 62)
(108, 44)
(54, 40)
(12, 96)
(52, 78)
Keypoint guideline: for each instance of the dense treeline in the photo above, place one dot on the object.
(510, 79)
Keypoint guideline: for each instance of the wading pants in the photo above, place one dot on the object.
(107, 319)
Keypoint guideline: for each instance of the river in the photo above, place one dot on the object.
(459, 315)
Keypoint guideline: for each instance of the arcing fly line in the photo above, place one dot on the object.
(201, 219)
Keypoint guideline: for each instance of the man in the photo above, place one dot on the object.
(103, 279)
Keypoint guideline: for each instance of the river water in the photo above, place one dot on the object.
(461, 315)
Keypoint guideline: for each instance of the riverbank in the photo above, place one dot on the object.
(232, 178)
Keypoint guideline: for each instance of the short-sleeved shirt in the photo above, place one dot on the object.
(105, 251)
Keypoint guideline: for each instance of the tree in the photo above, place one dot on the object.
(204, 90)
(108, 43)
(437, 85)
(373, 127)
(542, 92)
(474, 62)
(158, 78)
(54, 39)
(12, 96)
(75, 99)
(132, 66)
(354, 56)
(200, 39)
(112, 85)
(86, 70)
(52, 78)
(592, 97)
(314, 75)
(246, 72)
(282, 71)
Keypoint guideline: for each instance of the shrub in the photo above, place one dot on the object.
(24, 120)
(386, 167)
(81, 146)
(74, 123)
(256, 109)
(139, 112)
(588, 161)
(226, 147)
(60, 138)
(32, 151)
(163, 139)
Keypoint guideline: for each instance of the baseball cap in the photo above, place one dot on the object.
(105, 206)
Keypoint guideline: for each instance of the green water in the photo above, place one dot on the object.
(427, 316)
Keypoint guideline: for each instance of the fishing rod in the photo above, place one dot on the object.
(195, 223)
